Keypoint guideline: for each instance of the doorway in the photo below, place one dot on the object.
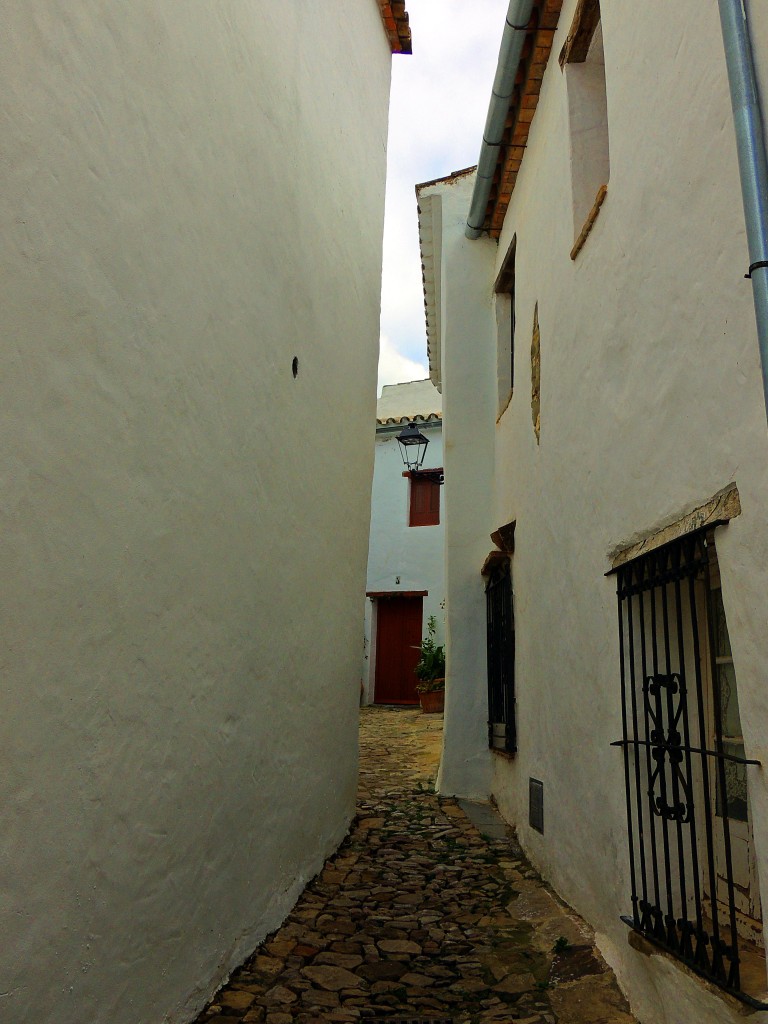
(398, 639)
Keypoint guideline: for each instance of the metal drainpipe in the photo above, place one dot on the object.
(753, 166)
(518, 16)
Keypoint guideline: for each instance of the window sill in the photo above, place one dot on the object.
(589, 223)
(754, 992)
(505, 755)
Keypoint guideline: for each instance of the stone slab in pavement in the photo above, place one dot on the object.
(427, 912)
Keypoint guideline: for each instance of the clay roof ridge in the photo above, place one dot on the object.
(415, 417)
(448, 177)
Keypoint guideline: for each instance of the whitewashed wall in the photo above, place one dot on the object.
(191, 198)
(468, 372)
(650, 403)
(402, 557)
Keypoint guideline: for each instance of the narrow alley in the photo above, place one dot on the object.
(422, 915)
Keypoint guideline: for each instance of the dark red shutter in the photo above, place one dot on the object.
(425, 502)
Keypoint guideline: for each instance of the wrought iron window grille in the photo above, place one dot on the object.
(680, 855)
(502, 734)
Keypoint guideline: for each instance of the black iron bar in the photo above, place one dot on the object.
(498, 647)
(674, 753)
(651, 815)
(490, 660)
(635, 908)
(659, 757)
(689, 766)
(694, 750)
(498, 625)
(733, 952)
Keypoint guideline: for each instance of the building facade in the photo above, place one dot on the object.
(406, 549)
(598, 336)
(191, 268)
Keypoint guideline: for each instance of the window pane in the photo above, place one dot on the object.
(729, 700)
(735, 785)
(722, 641)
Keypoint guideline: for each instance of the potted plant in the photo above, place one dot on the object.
(430, 671)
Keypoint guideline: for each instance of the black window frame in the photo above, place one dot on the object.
(500, 654)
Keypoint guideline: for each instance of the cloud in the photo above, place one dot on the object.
(394, 367)
(438, 107)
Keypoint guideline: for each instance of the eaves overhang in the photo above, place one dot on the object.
(429, 206)
(534, 57)
(430, 239)
(395, 18)
(394, 424)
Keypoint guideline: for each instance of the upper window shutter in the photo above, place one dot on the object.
(434, 500)
(425, 502)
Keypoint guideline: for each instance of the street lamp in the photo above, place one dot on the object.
(413, 447)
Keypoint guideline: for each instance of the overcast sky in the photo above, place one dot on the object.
(439, 101)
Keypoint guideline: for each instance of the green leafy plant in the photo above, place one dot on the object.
(430, 668)
(562, 945)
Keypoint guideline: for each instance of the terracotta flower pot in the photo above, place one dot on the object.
(432, 701)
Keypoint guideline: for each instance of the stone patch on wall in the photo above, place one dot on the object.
(536, 375)
(720, 508)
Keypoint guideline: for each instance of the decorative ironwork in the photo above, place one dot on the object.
(664, 716)
(501, 657)
(665, 634)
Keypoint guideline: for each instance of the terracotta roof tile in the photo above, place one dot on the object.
(410, 401)
(428, 418)
(522, 108)
(395, 18)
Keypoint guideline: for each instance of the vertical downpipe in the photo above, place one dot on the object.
(753, 166)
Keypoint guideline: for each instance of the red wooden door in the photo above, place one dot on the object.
(398, 639)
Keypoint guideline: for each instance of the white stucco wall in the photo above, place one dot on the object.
(402, 557)
(588, 129)
(650, 403)
(468, 363)
(191, 199)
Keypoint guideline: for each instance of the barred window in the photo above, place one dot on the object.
(502, 734)
(694, 890)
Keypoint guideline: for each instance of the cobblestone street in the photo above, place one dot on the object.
(422, 914)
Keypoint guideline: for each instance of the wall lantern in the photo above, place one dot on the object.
(413, 447)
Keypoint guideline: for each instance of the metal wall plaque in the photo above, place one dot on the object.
(536, 805)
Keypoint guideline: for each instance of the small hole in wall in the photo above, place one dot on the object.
(295, 366)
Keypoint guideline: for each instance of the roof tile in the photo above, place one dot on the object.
(395, 18)
(522, 108)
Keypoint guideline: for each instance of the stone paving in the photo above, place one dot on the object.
(420, 916)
